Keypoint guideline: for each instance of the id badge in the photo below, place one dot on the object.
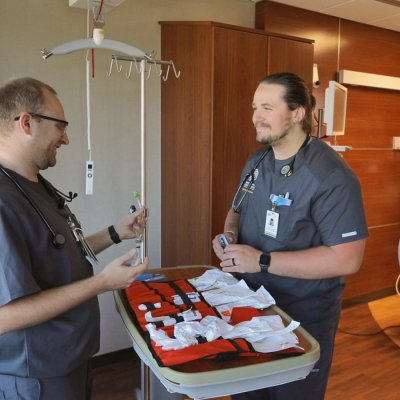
(271, 224)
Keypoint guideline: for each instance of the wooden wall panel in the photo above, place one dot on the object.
(323, 29)
(291, 55)
(373, 118)
(379, 174)
(189, 54)
(369, 49)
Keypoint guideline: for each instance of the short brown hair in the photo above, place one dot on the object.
(21, 95)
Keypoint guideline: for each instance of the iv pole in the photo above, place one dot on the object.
(135, 55)
(144, 248)
(87, 44)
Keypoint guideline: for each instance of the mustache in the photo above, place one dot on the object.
(262, 125)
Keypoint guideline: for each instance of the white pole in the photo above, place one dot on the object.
(143, 147)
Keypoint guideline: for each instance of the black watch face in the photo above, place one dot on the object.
(264, 260)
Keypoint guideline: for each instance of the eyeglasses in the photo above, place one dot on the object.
(245, 186)
(62, 125)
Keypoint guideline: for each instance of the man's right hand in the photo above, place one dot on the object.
(117, 275)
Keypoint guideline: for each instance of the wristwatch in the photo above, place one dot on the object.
(265, 261)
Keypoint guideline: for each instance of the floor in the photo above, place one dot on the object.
(366, 364)
(386, 312)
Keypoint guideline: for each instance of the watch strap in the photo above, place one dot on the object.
(265, 261)
(113, 234)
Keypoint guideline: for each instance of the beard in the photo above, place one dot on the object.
(271, 139)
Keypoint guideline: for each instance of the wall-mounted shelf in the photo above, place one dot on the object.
(370, 80)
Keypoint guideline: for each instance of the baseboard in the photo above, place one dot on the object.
(114, 357)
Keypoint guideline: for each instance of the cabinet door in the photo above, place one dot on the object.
(185, 140)
(240, 62)
(286, 55)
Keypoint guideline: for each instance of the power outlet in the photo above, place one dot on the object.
(396, 142)
(89, 177)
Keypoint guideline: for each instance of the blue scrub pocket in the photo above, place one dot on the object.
(15, 388)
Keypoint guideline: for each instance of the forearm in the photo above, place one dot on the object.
(314, 263)
(319, 262)
(232, 223)
(45, 305)
(100, 241)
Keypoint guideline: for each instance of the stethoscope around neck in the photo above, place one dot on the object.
(248, 180)
(246, 183)
(57, 239)
(287, 169)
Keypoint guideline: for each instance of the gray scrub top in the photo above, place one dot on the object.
(327, 209)
(30, 263)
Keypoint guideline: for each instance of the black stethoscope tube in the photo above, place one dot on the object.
(57, 239)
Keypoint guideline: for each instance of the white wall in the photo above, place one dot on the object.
(27, 26)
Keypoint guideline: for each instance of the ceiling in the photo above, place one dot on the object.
(381, 13)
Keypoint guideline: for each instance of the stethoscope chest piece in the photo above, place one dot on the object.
(286, 170)
(58, 240)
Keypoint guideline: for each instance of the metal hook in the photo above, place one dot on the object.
(159, 66)
(119, 67)
(176, 73)
(111, 66)
(165, 77)
(146, 62)
(149, 71)
(138, 67)
(128, 75)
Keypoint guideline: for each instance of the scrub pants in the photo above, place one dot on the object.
(76, 386)
(314, 385)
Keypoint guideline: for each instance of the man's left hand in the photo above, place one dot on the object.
(132, 226)
(241, 258)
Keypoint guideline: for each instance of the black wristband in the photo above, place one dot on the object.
(114, 235)
(265, 261)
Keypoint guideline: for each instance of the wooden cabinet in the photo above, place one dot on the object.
(206, 129)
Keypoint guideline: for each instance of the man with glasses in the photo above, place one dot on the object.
(296, 225)
(49, 313)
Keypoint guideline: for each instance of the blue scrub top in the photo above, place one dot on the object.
(326, 209)
(29, 263)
